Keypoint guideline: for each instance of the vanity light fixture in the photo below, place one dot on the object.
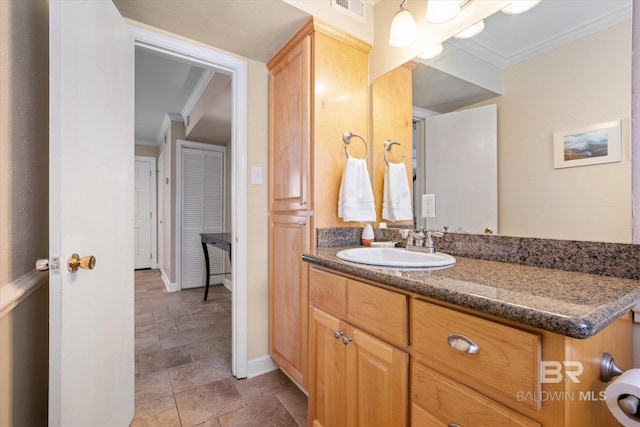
(470, 31)
(520, 6)
(431, 51)
(403, 28)
(439, 11)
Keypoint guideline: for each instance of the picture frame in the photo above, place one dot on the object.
(589, 145)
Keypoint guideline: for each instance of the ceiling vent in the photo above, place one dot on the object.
(355, 8)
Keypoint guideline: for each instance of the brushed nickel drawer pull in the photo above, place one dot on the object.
(463, 344)
(337, 334)
(453, 425)
(346, 340)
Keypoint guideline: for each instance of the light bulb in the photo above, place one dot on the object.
(520, 6)
(439, 11)
(403, 29)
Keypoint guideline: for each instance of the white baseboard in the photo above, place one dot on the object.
(261, 365)
(171, 287)
(227, 284)
(17, 291)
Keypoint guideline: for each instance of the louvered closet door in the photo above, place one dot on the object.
(202, 212)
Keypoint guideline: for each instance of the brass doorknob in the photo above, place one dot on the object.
(87, 262)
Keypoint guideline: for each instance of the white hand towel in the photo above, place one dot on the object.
(396, 200)
(355, 202)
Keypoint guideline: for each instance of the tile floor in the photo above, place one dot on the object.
(183, 365)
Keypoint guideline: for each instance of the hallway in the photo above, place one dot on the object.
(183, 365)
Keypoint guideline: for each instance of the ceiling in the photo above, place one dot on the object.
(256, 29)
(510, 39)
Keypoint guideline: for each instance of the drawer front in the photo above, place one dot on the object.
(379, 311)
(506, 362)
(328, 291)
(421, 418)
(448, 402)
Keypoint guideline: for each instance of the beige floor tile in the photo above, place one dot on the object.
(269, 412)
(149, 344)
(188, 382)
(269, 384)
(153, 386)
(196, 374)
(155, 329)
(157, 413)
(208, 401)
(144, 319)
(164, 359)
(210, 347)
(296, 403)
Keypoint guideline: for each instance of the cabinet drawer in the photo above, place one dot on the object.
(507, 360)
(328, 291)
(379, 311)
(447, 402)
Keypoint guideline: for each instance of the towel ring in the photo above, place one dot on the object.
(388, 144)
(346, 137)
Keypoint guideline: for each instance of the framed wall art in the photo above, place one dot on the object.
(587, 146)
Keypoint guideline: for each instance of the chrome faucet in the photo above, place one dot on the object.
(415, 239)
(420, 241)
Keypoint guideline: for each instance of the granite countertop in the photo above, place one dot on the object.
(577, 305)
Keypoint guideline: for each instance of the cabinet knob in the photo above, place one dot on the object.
(346, 340)
(453, 425)
(463, 344)
(302, 223)
(337, 334)
(303, 202)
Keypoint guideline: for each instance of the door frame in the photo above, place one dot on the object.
(237, 69)
(153, 221)
(160, 211)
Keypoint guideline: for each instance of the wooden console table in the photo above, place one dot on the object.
(219, 240)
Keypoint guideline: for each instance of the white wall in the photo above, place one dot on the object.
(24, 223)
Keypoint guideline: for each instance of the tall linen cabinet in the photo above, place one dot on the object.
(319, 88)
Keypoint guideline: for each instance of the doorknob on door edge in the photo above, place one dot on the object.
(42, 264)
(87, 262)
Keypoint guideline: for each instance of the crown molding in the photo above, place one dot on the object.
(205, 78)
(492, 56)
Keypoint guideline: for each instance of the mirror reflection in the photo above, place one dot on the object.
(564, 65)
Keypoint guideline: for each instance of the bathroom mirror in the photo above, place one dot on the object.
(577, 74)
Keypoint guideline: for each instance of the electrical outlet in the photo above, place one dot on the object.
(428, 205)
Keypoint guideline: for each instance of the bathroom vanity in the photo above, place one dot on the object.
(480, 343)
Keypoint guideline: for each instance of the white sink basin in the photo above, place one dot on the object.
(395, 257)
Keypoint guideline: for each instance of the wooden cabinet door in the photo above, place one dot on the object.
(288, 294)
(289, 134)
(327, 388)
(377, 382)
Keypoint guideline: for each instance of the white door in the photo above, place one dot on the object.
(468, 140)
(142, 215)
(91, 335)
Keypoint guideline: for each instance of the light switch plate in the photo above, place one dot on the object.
(256, 175)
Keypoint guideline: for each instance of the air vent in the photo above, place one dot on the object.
(355, 8)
